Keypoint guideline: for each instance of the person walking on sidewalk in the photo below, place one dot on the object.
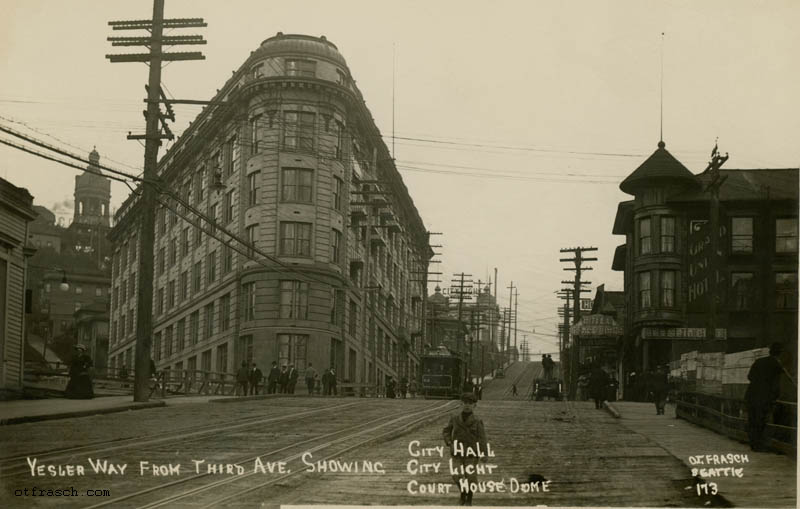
(272, 378)
(311, 373)
(242, 377)
(659, 387)
(254, 378)
(598, 380)
(761, 394)
(80, 375)
(466, 437)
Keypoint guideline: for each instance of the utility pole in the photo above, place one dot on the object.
(516, 316)
(576, 301)
(154, 121)
(712, 188)
(461, 283)
(510, 309)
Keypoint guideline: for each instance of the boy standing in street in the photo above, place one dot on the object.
(465, 435)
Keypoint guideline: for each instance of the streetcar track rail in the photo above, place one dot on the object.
(437, 410)
(183, 435)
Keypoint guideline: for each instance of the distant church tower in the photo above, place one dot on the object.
(92, 195)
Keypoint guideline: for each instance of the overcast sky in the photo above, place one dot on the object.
(526, 115)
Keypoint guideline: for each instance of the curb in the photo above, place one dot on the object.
(238, 399)
(80, 413)
(612, 410)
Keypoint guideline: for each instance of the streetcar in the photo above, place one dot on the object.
(443, 373)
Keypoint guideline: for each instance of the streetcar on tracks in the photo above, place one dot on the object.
(443, 373)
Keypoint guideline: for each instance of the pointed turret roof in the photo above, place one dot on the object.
(659, 167)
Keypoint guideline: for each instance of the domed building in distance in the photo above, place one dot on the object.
(288, 234)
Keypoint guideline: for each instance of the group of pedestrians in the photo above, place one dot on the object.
(283, 380)
(402, 389)
(548, 364)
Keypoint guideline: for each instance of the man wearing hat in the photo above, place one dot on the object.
(466, 437)
(763, 391)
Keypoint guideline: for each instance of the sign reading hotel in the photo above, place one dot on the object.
(701, 260)
(596, 325)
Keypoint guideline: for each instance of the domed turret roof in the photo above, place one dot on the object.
(296, 44)
(437, 299)
(485, 297)
(661, 166)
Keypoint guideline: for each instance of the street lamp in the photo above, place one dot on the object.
(64, 286)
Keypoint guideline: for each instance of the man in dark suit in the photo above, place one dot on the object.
(283, 381)
(255, 379)
(273, 377)
(763, 391)
(293, 375)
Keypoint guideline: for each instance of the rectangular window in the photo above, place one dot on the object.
(198, 236)
(252, 237)
(295, 239)
(161, 260)
(246, 347)
(222, 358)
(121, 327)
(224, 312)
(199, 182)
(667, 234)
(211, 265)
(298, 131)
(229, 156)
(741, 290)
(297, 67)
(181, 335)
(125, 254)
(336, 246)
(168, 342)
(294, 300)
(255, 133)
(337, 193)
(786, 290)
(173, 251)
(171, 294)
(208, 316)
(133, 250)
(197, 272)
(668, 288)
(248, 301)
(157, 347)
(644, 236)
(184, 285)
(185, 241)
(194, 328)
(227, 259)
(124, 291)
(133, 286)
(228, 207)
(252, 189)
(352, 318)
(786, 235)
(742, 234)
(292, 349)
(644, 290)
(160, 301)
(212, 216)
(297, 185)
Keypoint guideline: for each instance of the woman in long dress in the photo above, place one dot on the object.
(80, 375)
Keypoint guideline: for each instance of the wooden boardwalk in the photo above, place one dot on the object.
(769, 480)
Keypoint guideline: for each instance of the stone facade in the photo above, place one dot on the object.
(317, 252)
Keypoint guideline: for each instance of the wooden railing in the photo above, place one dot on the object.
(728, 416)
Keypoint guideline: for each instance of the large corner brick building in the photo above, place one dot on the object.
(674, 280)
(289, 160)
